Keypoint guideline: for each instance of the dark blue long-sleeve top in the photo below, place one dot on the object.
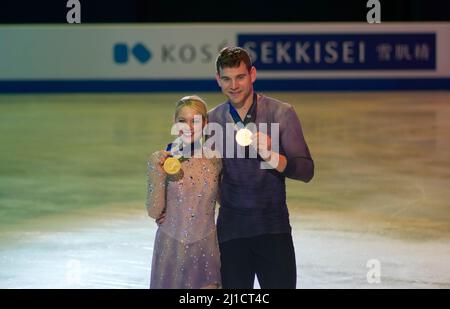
(252, 199)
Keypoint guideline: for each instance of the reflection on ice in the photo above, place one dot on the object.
(116, 253)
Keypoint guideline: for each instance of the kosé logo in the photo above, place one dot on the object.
(122, 51)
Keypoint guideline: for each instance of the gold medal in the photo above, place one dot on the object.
(172, 166)
(244, 137)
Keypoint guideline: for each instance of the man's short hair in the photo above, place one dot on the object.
(231, 57)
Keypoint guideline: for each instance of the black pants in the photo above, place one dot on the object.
(271, 257)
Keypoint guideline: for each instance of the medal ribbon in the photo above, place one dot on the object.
(250, 117)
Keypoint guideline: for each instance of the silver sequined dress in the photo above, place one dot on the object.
(185, 252)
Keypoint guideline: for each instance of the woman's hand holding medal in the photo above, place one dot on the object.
(169, 164)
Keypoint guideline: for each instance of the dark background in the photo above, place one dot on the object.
(158, 11)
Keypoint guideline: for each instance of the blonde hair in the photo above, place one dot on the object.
(194, 102)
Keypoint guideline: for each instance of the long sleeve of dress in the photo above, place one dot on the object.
(156, 189)
(218, 165)
(216, 161)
